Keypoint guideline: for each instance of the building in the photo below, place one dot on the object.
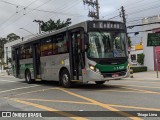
(150, 54)
(7, 48)
(135, 51)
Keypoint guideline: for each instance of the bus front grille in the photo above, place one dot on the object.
(111, 74)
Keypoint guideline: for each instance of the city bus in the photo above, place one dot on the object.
(91, 51)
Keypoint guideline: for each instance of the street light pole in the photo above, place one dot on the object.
(27, 31)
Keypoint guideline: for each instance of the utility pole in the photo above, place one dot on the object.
(39, 23)
(94, 10)
(123, 15)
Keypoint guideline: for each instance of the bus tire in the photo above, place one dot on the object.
(65, 78)
(28, 77)
(100, 82)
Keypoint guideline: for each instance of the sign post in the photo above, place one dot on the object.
(154, 40)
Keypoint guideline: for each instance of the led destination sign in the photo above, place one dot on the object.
(105, 25)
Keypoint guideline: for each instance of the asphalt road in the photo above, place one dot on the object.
(123, 96)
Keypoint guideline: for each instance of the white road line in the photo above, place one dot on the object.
(8, 81)
(18, 89)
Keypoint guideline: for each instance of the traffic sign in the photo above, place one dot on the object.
(153, 39)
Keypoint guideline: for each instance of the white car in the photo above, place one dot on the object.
(134, 63)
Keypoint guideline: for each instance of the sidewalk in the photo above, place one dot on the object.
(149, 75)
(3, 73)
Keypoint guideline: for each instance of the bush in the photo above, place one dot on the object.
(139, 69)
(140, 59)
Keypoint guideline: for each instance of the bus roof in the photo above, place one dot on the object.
(47, 34)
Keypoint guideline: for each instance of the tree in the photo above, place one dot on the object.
(2, 42)
(51, 25)
(12, 37)
(140, 58)
(129, 41)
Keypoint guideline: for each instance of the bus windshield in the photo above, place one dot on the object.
(106, 45)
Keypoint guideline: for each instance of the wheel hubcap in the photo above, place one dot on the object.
(27, 77)
(65, 79)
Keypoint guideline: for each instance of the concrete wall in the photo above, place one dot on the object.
(149, 51)
(7, 49)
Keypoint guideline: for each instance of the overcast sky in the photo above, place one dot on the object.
(16, 14)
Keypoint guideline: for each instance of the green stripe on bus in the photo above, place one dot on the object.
(108, 68)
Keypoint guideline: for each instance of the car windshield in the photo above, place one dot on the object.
(106, 45)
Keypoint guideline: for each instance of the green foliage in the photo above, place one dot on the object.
(2, 42)
(139, 69)
(140, 58)
(53, 25)
(9, 38)
(12, 37)
(129, 41)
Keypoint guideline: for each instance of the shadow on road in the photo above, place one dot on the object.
(89, 86)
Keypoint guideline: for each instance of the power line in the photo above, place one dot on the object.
(130, 27)
(110, 14)
(60, 9)
(26, 13)
(148, 3)
(113, 17)
(134, 3)
(54, 12)
(16, 12)
(146, 9)
(139, 31)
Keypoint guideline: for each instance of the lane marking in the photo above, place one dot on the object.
(102, 105)
(136, 86)
(7, 81)
(142, 79)
(134, 107)
(18, 89)
(51, 110)
(58, 101)
(143, 82)
(140, 90)
(122, 91)
(86, 103)
(34, 91)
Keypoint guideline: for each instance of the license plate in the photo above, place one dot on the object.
(115, 75)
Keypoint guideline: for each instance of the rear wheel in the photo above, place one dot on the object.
(65, 79)
(100, 82)
(28, 77)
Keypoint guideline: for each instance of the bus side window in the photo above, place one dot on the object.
(28, 51)
(22, 52)
(62, 43)
(46, 47)
(55, 47)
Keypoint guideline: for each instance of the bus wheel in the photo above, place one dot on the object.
(28, 77)
(100, 82)
(65, 79)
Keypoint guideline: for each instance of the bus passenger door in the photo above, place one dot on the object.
(76, 54)
(36, 60)
(17, 63)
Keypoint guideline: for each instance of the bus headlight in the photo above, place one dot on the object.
(93, 68)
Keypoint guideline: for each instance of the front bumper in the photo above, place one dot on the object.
(94, 76)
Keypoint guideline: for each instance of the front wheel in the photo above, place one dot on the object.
(65, 79)
(100, 82)
(28, 77)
